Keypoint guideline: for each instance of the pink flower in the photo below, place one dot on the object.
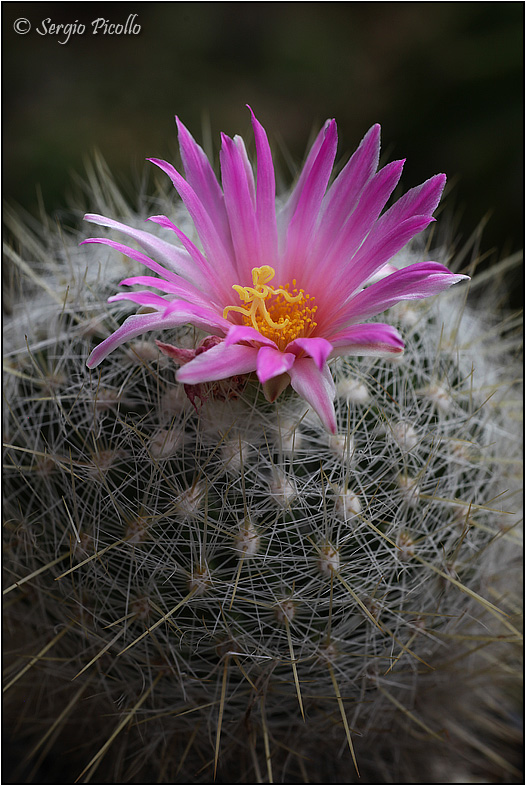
(283, 289)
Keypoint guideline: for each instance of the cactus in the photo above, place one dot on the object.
(220, 590)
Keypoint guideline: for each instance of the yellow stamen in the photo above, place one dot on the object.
(275, 313)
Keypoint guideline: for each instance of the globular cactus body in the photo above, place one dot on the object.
(227, 591)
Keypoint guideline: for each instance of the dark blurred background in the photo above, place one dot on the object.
(445, 80)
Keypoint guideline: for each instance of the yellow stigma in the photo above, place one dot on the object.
(276, 313)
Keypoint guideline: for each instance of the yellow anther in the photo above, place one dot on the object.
(268, 309)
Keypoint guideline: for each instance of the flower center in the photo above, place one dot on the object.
(277, 314)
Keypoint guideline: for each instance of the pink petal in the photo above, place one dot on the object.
(182, 289)
(373, 338)
(138, 256)
(271, 363)
(238, 333)
(317, 388)
(143, 298)
(342, 197)
(292, 202)
(220, 362)
(217, 250)
(249, 173)
(265, 194)
(304, 219)
(408, 216)
(372, 200)
(384, 271)
(141, 323)
(213, 282)
(175, 258)
(419, 201)
(318, 349)
(366, 262)
(203, 317)
(201, 178)
(344, 245)
(176, 284)
(423, 279)
(241, 208)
